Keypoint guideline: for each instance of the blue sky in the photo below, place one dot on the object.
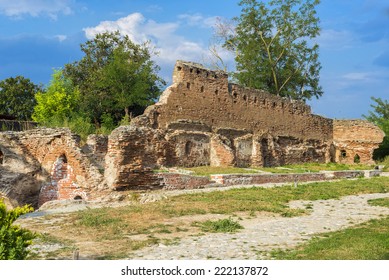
(37, 36)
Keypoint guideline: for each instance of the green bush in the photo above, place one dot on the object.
(13, 239)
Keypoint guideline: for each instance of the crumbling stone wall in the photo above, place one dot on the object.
(52, 163)
(355, 140)
(200, 119)
(237, 126)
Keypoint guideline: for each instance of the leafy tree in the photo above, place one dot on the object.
(58, 102)
(13, 239)
(274, 49)
(114, 77)
(380, 117)
(17, 97)
(131, 78)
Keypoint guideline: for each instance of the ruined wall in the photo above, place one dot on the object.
(198, 94)
(200, 119)
(237, 126)
(355, 140)
(52, 163)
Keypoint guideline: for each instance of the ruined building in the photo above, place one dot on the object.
(201, 119)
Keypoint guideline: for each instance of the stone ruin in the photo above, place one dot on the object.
(201, 119)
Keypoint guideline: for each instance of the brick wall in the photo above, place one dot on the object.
(199, 94)
(55, 162)
(355, 140)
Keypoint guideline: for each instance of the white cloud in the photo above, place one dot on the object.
(35, 8)
(358, 76)
(61, 38)
(336, 39)
(198, 20)
(163, 36)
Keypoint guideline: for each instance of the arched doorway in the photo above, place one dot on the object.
(59, 172)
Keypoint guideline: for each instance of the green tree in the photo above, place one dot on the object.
(114, 77)
(380, 117)
(273, 44)
(14, 241)
(58, 102)
(17, 97)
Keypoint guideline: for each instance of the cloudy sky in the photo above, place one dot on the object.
(37, 36)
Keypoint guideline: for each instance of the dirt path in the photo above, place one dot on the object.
(262, 234)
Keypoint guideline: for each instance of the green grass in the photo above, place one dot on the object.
(208, 170)
(96, 218)
(384, 202)
(369, 241)
(268, 199)
(222, 225)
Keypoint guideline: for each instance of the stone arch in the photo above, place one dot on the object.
(59, 172)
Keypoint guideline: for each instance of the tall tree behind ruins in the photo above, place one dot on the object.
(274, 47)
(380, 117)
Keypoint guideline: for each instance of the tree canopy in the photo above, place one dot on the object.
(17, 97)
(114, 77)
(380, 116)
(59, 101)
(274, 48)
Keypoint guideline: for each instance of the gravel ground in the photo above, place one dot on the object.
(262, 234)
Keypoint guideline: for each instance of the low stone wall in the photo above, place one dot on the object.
(176, 181)
(257, 179)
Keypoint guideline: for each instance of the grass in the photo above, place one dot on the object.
(109, 232)
(368, 241)
(383, 202)
(222, 225)
(295, 168)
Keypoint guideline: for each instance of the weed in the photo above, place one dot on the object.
(384, 202)
(222, 225)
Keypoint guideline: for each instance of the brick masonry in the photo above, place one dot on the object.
(201, 119)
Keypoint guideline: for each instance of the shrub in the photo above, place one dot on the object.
(13, 239)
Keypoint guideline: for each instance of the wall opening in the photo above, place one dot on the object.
(202, 89)
(343, 154)
(78, 197)
(266, 160)
(188, 85)
(1, 157)
(357, 159)
(188, 148)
